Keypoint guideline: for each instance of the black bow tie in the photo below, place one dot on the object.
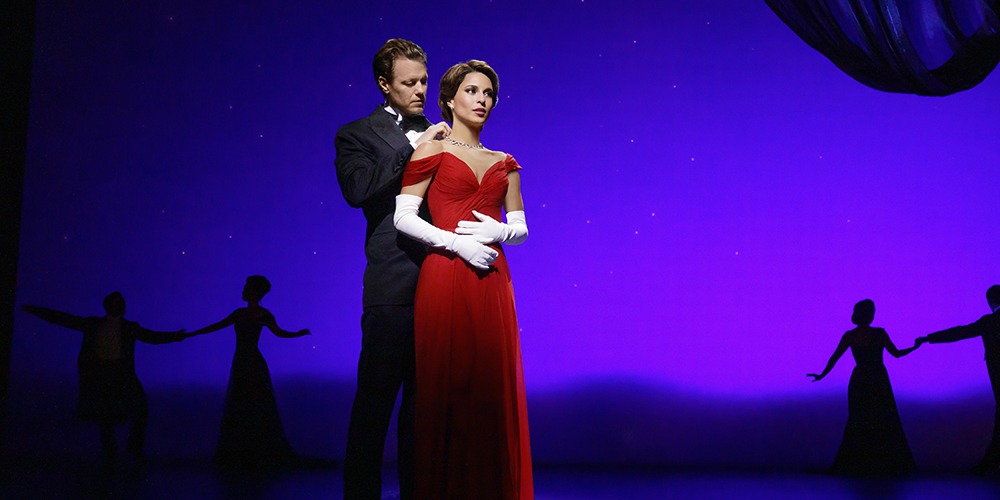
(415, 122)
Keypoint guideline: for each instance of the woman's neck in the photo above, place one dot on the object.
(463, 133)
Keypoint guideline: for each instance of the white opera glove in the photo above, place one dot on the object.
(489, 230)
(467, 248)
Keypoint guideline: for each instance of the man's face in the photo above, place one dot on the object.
(408, 89)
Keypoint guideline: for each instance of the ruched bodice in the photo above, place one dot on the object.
(456, 192)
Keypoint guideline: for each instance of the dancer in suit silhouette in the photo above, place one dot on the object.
(987, 327)
(110, 392)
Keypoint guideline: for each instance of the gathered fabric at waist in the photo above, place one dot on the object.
(449, 254)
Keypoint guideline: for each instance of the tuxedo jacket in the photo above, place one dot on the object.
(371, 155)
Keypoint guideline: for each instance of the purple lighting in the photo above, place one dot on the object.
(708, 196)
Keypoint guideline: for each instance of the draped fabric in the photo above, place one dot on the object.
(924, 47)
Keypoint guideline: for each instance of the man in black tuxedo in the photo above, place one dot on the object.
(987, 327)
(371, 155)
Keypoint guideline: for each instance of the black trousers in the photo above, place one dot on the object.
(139, 415)
(386, 364)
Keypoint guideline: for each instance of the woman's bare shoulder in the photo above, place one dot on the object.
(427, 149)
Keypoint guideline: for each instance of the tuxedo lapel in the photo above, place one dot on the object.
(385, 127)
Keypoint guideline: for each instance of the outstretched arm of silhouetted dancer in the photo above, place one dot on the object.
(272, 325)
(953, 334)
(157, 337)
(896, 353)
(267, 320)
(78, 323)
(60, 318)
(227, 321)
(837, 353)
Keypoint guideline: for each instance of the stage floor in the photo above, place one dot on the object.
(40, 477)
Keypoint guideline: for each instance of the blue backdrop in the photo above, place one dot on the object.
(707, 196)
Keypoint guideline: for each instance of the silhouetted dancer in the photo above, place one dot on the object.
(251, 434)
(110, 392)
(987, 327)
(874, 442)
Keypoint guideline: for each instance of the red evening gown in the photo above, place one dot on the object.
(471, 425)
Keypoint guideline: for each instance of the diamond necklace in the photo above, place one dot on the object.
(465, 145)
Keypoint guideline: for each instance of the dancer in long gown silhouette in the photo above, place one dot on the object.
(471, 426)
(109, 389)
(251, 434)
(874, 442)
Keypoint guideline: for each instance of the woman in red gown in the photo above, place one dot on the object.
(471, 425)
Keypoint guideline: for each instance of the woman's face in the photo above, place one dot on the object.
(474, 99)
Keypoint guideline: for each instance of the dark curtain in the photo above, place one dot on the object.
(924, 47)
(18, 21)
